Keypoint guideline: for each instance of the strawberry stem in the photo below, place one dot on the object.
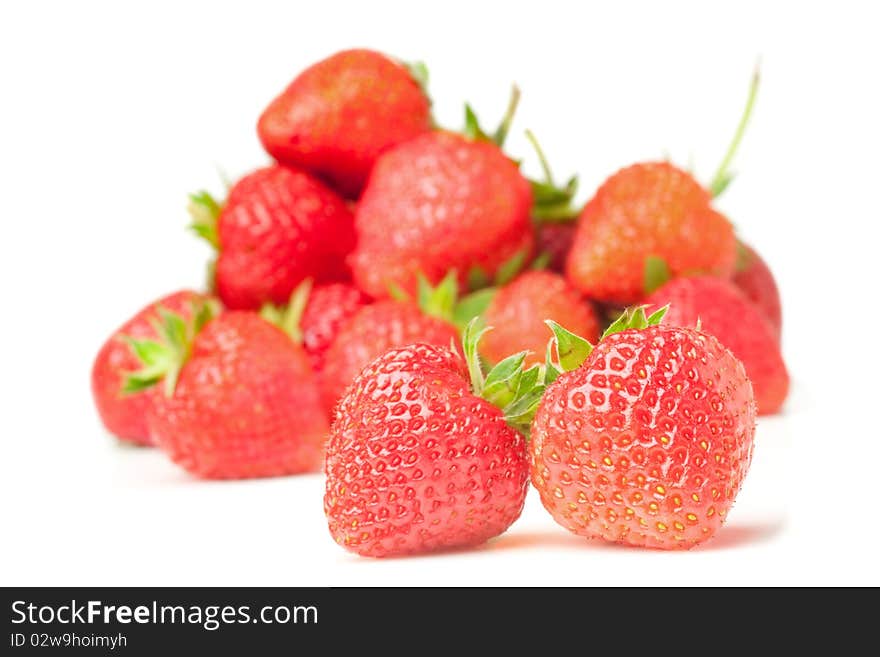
(723, 176)
(542, 158)
(289, 316)
(504, 127)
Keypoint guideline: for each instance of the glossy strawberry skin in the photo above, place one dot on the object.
(437, 203)
(278, 227)
(245, 405)
(652, 209)
(341, 113)
(555, 240)
(739, 325)
(372, 331)
(754, 278)
(417, 463)
(648, 442)
(328, 308)
(518, 311)
(125, 415)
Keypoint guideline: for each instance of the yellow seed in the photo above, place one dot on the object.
(678, 526)
(691, 517)
(695, 497)
(607, 461)
(660, 490)
(661, 527)
(710, 512)
(704, 445)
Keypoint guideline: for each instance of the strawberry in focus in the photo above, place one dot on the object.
(124, 414)
(754, 278)
(240, 399)
(720, 308)
(644, 439)
(341, 113)
(425, 452)
(519, 309)
(277, 227)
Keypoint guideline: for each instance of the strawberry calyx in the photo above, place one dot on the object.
(204, 210)
(444, 301)
(288, 317)
(508, 385)
(572, 350)
(552, 203)
(163, 358)
(656, 274)
(723, 176)
(508, 270)
(473, 130)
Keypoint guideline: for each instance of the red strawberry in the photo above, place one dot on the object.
(338, 115)
(240, 398)
(277, 227)
(756, 281)
(421, 459)
(654, 211)
(725, 312)
(554, 242)
(441, 202)
(648, 436)
(642, 211)
(329, 308)
(125, 414)
(372, 331)
(519, 309)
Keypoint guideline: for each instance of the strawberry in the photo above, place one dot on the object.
(519, 309)
(554, 242)
(754, 278)
(425, 452)
(125, 414)
(648, 211)
(240, 399)
(645, 438)
(724, 311)
(340, 114)
(652, 209)
(277, 227)
(439, 202)
(315, 315)
(373, 330)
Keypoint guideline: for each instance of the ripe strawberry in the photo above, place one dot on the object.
(372, 331)
(240, 398)
(519, 309)
(125, 414)
(439, 202)
(554, 242)
(338, 115)
(277, 227)
(754, 278)
(421, 459)
(725, 312)
(646, 438)
(652, 209)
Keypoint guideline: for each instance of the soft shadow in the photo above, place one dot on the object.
(739, 535)
(542, 539)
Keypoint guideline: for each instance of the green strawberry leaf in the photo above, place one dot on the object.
(478, 278)
(551, 204)
(289, 316)
(472, 305)
(572, 350)
(438, 301)
(503, 380)
(204, 210)
(551, 372)
(656, 273)
(511, 268)
(473, 130)
(542, 261)
(469, 341)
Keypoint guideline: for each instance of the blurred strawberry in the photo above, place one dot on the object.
(756, 281)
(124, 414)
(439, 202)
(519, 310)
(277, 227)
(341, 113)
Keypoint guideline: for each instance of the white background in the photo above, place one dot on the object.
(111, 113)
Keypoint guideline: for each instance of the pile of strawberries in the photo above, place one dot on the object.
(399, 303)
